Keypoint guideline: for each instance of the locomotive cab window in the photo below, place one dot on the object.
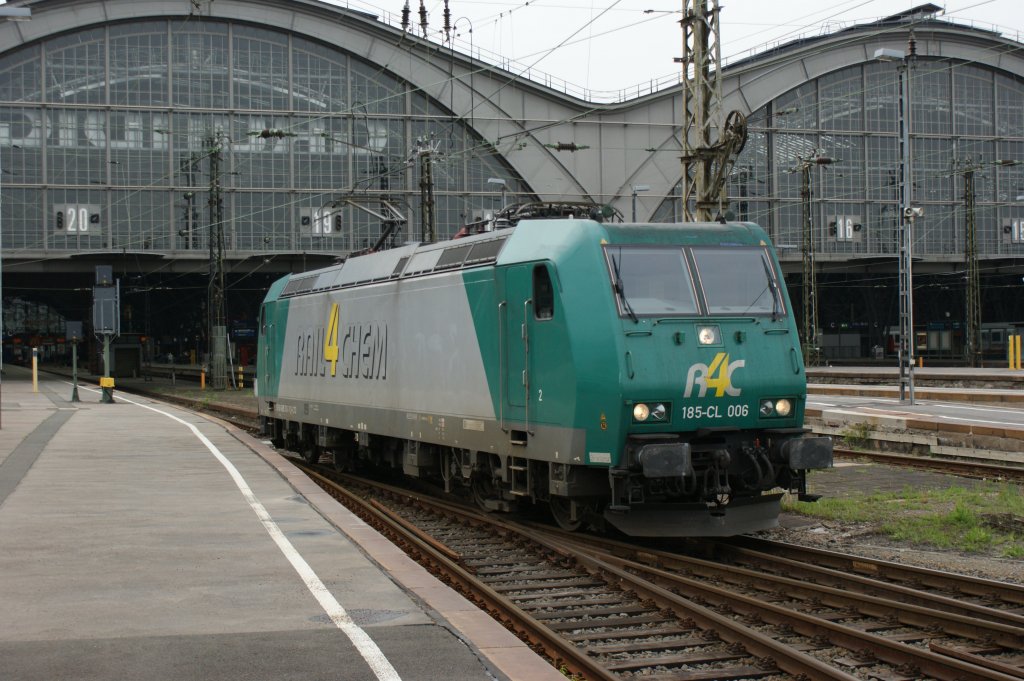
(738, 280)
(650, 281)
(543, 293)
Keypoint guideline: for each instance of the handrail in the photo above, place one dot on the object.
(502, 368)
(527, 304)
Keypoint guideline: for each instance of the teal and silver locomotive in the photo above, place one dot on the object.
(643, 376)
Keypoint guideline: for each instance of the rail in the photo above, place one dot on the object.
(591, 606)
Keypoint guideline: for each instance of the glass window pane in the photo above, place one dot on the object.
(797, 109)
(840, 97)
(844, 178)
(973, 103)
(930, 99)
(788, 152)
(883, 166)
(939, 231)
(76, 68)
(1009, 107)
(138, 64)
(932, 169)
(748, 181)
(1010, 178)
(260, 69)
(199, 53)
(881, 97)
(261, 158)
(21, 76)
(737, 280)
(651, 281)
(320, 80)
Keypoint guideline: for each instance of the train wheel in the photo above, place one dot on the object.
(311, 455)
(484, 493)
(342, 461)
(561, 511)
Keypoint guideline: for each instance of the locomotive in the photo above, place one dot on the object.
(646, 377)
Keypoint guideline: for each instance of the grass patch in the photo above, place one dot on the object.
(988, 518)
(856, 435)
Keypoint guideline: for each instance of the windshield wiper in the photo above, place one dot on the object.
(772, 287)
(621, 291)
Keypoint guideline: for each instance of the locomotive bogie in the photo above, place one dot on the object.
(617, 373)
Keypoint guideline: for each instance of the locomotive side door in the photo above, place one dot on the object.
(271, 344)
(514, 314)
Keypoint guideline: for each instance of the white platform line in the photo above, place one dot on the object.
(380, 665)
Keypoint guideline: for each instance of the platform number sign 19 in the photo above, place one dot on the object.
(77, 218)
(319, 222)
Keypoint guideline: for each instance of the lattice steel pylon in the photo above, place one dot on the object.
(809, 331)
(706, 160)
(972, 346)
(217, 318)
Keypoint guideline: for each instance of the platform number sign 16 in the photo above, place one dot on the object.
(77, 218)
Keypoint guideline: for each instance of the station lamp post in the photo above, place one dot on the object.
(908, 213)
(638, 188)
(502, 183)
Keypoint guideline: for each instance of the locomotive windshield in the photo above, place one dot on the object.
(651, 281)
(738, 281)
(658, 281)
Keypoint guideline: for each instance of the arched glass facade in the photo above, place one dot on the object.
(117, 134)
(962, 116)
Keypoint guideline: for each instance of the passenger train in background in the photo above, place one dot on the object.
(646, 377)
(944, 341)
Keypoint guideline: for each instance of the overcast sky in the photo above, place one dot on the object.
(604, 45)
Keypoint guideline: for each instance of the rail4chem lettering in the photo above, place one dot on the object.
(361, 349)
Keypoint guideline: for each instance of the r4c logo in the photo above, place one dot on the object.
(717, 376)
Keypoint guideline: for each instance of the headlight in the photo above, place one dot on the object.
(657, 412)
(776, 407)
(709, 335)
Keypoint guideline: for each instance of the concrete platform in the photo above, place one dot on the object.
(140, 541)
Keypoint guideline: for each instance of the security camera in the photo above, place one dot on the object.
(912, 212)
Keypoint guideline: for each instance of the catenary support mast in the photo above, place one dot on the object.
(706, 160)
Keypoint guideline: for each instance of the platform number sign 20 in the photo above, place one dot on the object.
(77, 218)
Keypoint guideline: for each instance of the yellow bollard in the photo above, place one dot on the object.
(920, 362)
(35, 370)
(202, 379)
(241, 378)
(1011, 356)
(107, 390)
(1017, 344)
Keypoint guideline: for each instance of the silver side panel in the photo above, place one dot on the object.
(394, 351)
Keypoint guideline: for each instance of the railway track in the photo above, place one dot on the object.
(611, 610)
(949, 466)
